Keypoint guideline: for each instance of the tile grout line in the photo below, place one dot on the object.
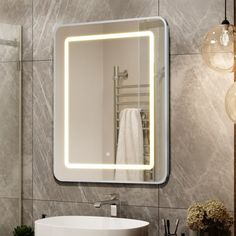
(158, 188)
(91, 203)
(51, 60)
(13, 198)
(25, 61)
(32, 182)
(61, 201)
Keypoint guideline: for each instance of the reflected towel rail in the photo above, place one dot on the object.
(143, 111)
(133, 86)
(146, 120)
(145, 145)
(132, 94)
(132, 103)
(143, 128)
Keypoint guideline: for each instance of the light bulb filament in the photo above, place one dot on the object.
(224, 38)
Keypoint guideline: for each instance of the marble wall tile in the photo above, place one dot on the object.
(13, 34)
(27, 129)
(201, 136)
(189, 21)
(19, 12)
(9, 122)
(51, 13)
(54, 208)
(27, 212)
(136, 195)
(45, 186)
(173, 215)
(9, 211)
(149, 214)
(133, 8)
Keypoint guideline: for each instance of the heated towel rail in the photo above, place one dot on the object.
(133, 96)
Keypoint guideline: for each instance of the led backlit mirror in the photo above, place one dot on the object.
(112, 101)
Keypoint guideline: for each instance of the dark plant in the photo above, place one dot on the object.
(209, 216)
(23, 230)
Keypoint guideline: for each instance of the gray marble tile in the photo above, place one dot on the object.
(44, 184)
(51, 13)
(9, 122)
(189, 21)
(201, 136)
(12, 33)
(27, 129)
(19, 12)
(9, 211)
(149, 214)
(138, 195)
(173, 215)
(53, 208)
(45, 187)
(27, 212)
(27, 177)
(133, 8)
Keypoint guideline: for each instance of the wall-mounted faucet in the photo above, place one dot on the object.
(113, 201)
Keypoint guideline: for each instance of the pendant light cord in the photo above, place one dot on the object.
(234, 12)
(225, 21)
(225, 10)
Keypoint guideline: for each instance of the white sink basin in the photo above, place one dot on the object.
(90, 226)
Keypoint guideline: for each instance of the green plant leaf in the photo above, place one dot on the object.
(23, 230)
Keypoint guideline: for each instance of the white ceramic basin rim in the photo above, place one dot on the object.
(91, 223)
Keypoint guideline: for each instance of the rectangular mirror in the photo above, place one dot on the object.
(111, 104)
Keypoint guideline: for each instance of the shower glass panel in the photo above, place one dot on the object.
(10, 128)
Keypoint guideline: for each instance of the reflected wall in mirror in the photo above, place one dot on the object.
(112, 101)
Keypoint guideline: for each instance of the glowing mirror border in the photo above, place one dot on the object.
(68, 40)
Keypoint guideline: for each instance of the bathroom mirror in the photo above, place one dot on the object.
(111, 104)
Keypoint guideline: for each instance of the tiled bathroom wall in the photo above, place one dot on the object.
(9, 132)
(201, 133)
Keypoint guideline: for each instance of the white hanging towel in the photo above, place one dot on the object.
(130, 145)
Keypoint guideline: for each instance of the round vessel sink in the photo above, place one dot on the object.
(90, 226)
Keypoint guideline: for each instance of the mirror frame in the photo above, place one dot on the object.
(57, 169)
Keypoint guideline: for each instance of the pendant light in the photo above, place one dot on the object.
(218, 46)
(230, 98)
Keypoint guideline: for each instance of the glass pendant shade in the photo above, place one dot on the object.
(218, 48)
(230, 102)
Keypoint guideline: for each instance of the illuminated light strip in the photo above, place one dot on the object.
(66, 100)
(151, 99)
